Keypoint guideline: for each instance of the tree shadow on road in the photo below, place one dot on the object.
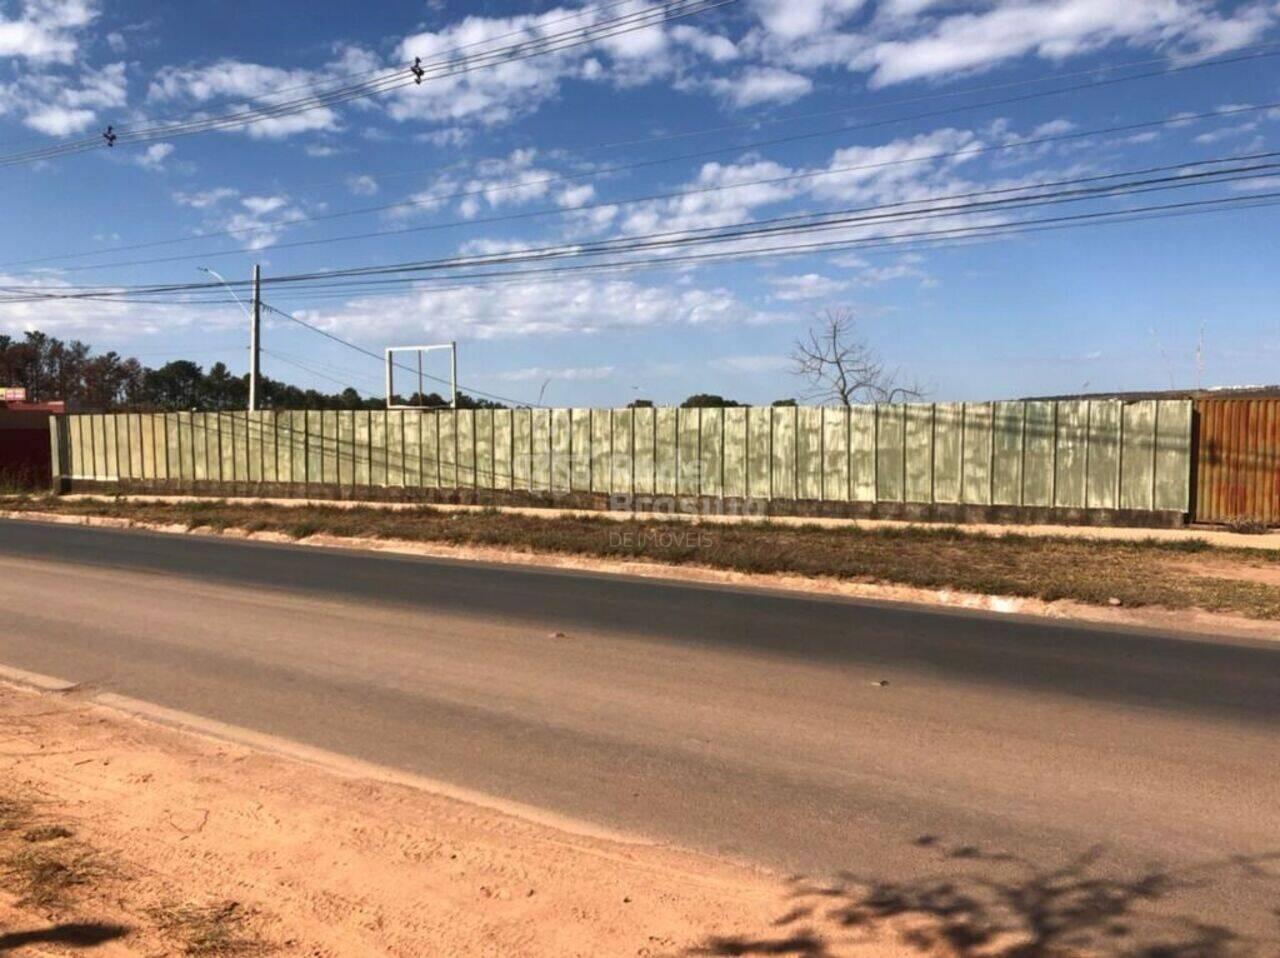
(75, 934)
(982, 904)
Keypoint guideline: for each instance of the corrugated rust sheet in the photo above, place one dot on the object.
(1238, 460)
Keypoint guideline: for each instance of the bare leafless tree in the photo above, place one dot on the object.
(842, 368)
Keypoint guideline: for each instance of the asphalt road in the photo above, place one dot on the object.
(813, 735)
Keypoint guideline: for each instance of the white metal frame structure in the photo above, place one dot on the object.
(453, 373)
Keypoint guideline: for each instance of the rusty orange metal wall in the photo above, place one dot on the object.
(1238, 460)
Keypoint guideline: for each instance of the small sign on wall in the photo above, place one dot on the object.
(15, 394)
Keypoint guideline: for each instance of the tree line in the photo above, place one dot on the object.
(51, 369)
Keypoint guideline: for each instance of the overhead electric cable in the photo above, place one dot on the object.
(416, 74)
(995, 200)
(436, 199)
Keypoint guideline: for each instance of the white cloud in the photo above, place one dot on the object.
(513, 88)
(153, 157)
(512, 180)
(796, 19)
(46, 30)
(805, 287)
(494, 95)
(903, 40)
(905, 266)
(257, 222)
(717, 206)
(59, 120)
(575, 196)
(262, 220)
(363, 185)
(581, 305)
(51, 105)
(204, 199)
(572, 374)
(750, 364)
(713, 46)
(231, 85)
(1227, 132)
(757, 85)
(1054, 30)
(89, 318)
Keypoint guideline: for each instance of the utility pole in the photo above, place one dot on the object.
(255, 327)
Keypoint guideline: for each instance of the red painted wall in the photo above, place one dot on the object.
(25, 460)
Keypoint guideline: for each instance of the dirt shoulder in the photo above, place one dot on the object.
(1183, 583)
(139, 839)
(1211, 535)
(125, 835)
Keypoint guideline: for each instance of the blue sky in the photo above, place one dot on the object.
(466, 160)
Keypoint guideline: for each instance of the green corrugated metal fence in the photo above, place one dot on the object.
(1099, 454)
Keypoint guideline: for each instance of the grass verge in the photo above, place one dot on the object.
(1186, 573)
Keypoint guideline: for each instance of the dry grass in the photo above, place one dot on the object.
(46, 867)
(42, 863)
(1133, 573)
(217, 929)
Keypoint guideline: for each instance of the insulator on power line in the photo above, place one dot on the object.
(417, 70)
(110, 136)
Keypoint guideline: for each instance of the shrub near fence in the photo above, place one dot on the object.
(1078, 455)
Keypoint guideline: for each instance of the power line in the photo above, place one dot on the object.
(931, 239)
(900, 242)
(302, 365)
(381, 359)
(385, 70)
(416, 74)
(693, 191)
(1000, 199)
(435, 199)
(1244, 54)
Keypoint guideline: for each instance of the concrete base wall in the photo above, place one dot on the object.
(646, 504)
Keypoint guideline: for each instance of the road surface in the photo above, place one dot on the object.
(813, 735)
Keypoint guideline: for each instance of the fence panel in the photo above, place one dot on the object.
(561, 450)
(644, 436)
(1072, 454)
(464, 437)
(1103, 470)
(862, 453)
(1039, 450)
(759, 455)
(688, 449)
(808, 455)
(948, 452)
(783, 453)
(891, 453)
(580, 443)
(1137, 454)
(1173, 454)
(1100, 454)
(977, 442)
(477, 454)
(918, 457)
(621, 452)
(835, 454)
(521, 449)
(1006, 465)
(711, 452)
